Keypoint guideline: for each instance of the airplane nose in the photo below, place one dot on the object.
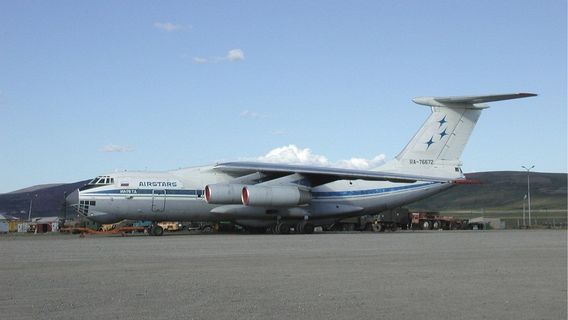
(73, 198)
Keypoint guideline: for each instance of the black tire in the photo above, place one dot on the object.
(377, 227)
(156, 231)
(308, 228)
(282, 228)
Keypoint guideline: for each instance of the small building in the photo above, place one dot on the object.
(46, 224)
(23, 227)
(8, 223)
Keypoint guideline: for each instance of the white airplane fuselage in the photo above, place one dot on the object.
(179, 196)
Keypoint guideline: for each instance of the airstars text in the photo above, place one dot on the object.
(157, 184)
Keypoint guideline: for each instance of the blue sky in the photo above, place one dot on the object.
(90, 87)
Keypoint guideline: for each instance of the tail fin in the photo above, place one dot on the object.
(439, 143)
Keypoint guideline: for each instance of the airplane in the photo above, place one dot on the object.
(282, 197)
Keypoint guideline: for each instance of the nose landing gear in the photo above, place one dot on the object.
(155, 230)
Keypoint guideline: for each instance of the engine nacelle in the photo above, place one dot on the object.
(275, 196)
(223, 193)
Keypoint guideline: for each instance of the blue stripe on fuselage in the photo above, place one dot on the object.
(145, 191)
(354, 193)
(316, 194)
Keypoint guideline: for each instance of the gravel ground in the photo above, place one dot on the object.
(405, 275)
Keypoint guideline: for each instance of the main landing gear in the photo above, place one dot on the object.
(300, 227)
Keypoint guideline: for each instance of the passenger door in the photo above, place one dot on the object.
(158, 200)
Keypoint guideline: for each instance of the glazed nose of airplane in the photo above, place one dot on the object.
(73, 198)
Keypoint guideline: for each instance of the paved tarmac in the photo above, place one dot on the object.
(405, 275)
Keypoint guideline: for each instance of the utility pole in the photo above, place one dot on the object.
(64, 206)
(529, 190)
(30, 211)
(524, 220)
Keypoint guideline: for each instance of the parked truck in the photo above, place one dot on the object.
(400, 218)
(434, 221)
(362, 223)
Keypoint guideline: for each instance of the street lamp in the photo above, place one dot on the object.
(30, 211)
(524, 220)
(529, 190)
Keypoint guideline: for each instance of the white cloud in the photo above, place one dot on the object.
(200, 60)
(252, 114)
(235, 55)
(294, 155)
(231, 56)
(115, 148)
(168, 26)
(362, 164)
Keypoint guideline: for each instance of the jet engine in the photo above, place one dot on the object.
(274, 196)
(223, 193)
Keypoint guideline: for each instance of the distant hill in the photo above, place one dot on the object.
(501, 190)
(497, 191)
(38, 187)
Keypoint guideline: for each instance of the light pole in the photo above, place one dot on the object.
(524, 220)
(30, 211)
(529, 190)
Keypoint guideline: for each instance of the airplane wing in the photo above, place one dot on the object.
(319, 175)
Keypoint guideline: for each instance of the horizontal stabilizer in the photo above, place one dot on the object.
(468, 100)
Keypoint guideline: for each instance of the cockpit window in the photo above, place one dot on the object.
(102, 180)
(98, 182)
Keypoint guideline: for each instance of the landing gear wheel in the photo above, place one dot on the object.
(308, 228)
(282, 228)
(156, 230)
(426, 225)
